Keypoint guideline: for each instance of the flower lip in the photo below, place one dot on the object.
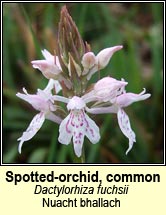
(76, 103)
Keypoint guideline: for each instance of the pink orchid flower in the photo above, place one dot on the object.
(77, 125)
(121, 101)
(44, 103)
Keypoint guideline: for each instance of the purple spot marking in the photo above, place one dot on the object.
(67, 129)
(80, 134)
(92, 132)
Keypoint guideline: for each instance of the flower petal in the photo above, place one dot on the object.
(40, 101)
(78, 139)
(124, 124)
(65, 130)
(91, 129)
(88, 61)
(107, 88)
(32, 129)
(52, 84)
(102, 59)
(48, 69)
(127, 99)
(76, 103)
(57, 86)
(83, 125)
(47, 55)
(102, 110)
(105, 55)
(53, 117)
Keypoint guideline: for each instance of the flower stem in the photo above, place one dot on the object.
(83, 156)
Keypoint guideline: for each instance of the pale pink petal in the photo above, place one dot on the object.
(49, 86)
(92, 71)
(51, 58)
(48, 69)
(76, 103)
(127, 99)
(61, 99)
(53, 117)
(25, 97)
(88, 61)
(77, 125)
(65, 130)
(48, 56)
(53, 84)
(38, 102)
(91, 129)
(107, 88)
(83, 126)
(124, 124)
(32, 129)
(102, 110)
(105, 55)
(102, 59)
(78, 140)
(57, 86)
(35, 100)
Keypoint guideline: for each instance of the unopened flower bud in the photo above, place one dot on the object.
(88, 60)
(105, 55)
(69, 39)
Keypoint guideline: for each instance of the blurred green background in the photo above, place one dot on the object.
(28, 28)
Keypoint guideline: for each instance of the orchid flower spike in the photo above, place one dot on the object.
(70, 70)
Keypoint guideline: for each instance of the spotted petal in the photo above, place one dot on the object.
(65, 130)
(84, 126)
(124, 124)
(78, 140)
(77, 125)
(32, 129)
(91, 130)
